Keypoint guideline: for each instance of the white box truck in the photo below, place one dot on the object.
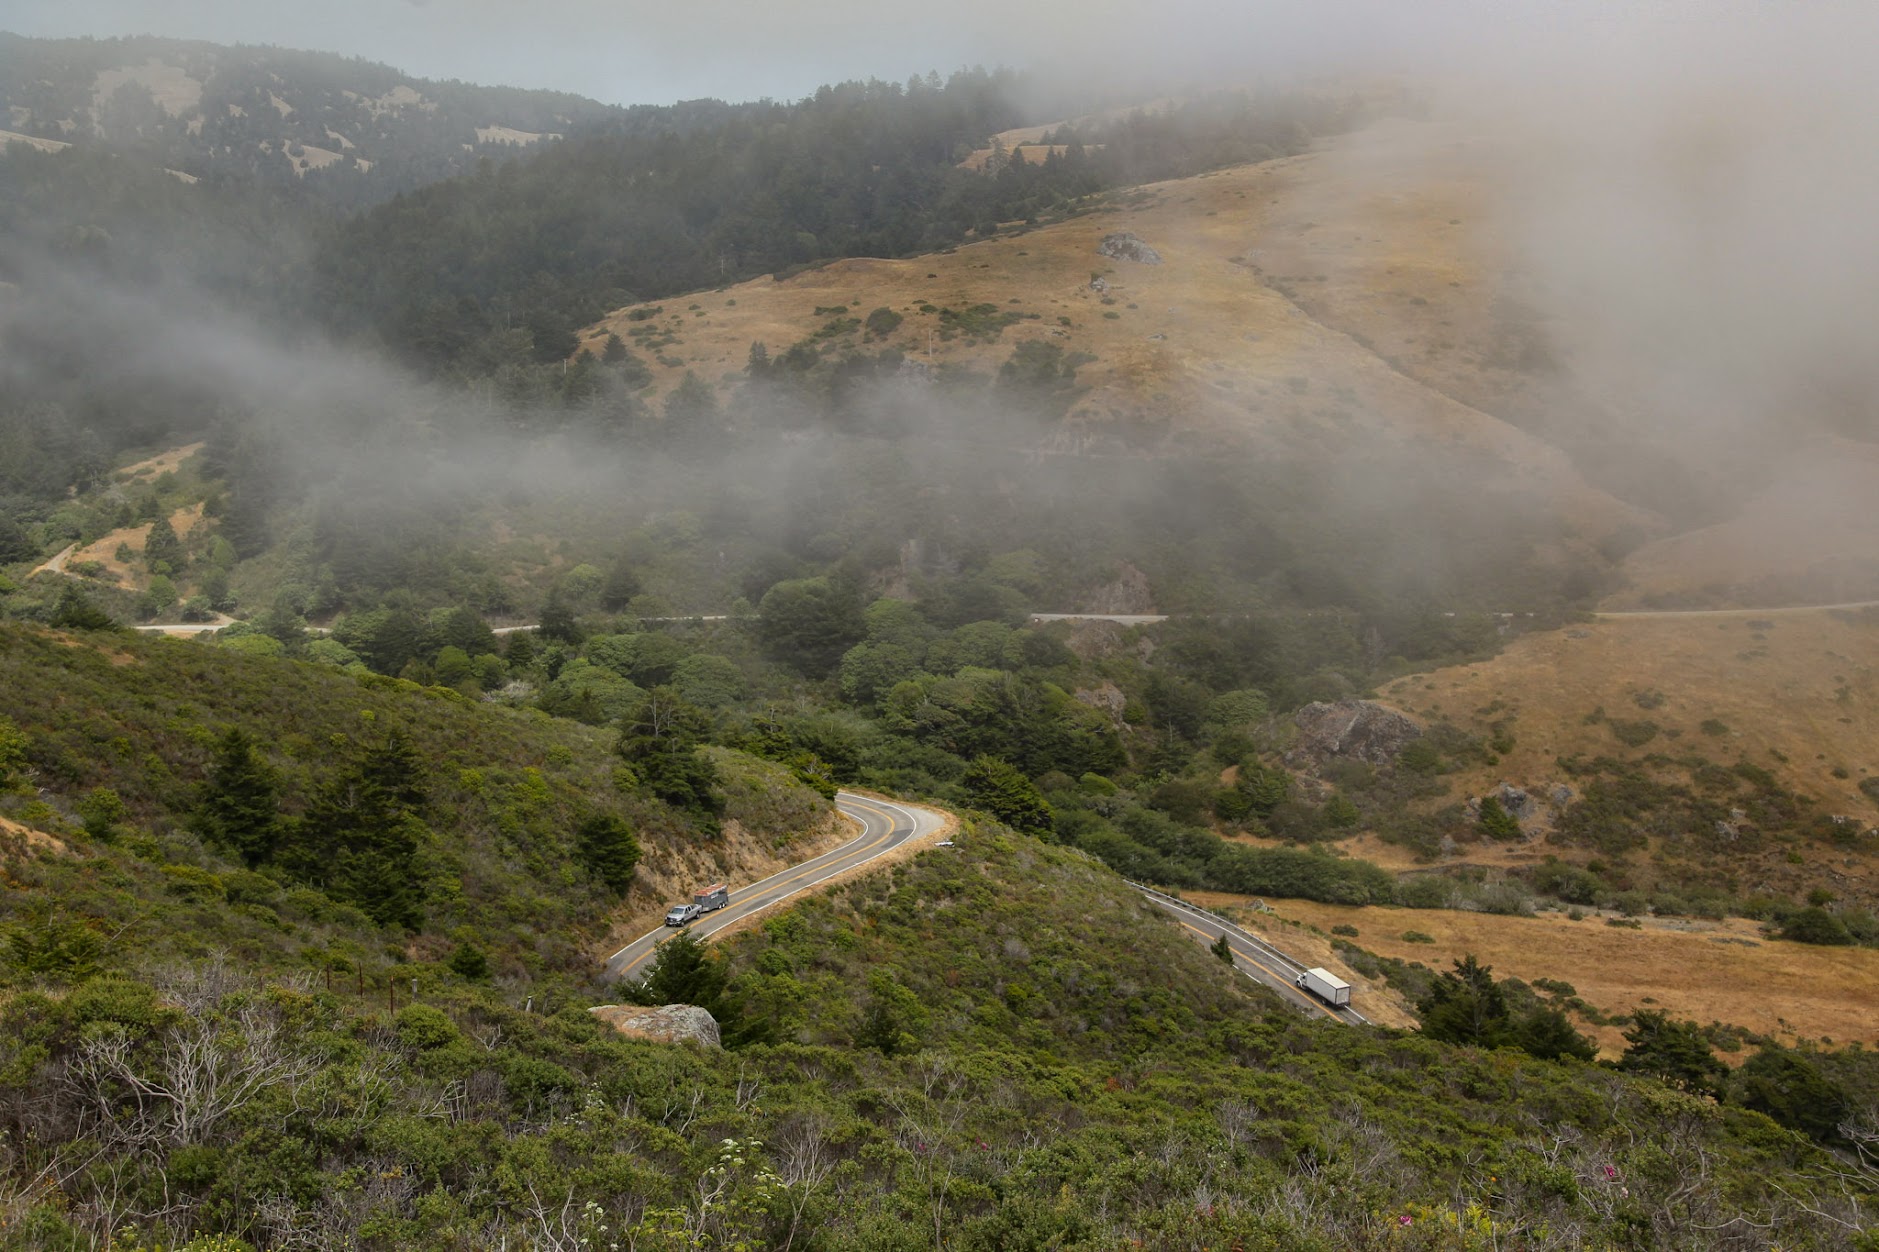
(1326, 986)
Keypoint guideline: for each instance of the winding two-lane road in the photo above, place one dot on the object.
(885, 825)
(1252, 956)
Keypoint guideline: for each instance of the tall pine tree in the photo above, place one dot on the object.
(240, 807)
(359, 841)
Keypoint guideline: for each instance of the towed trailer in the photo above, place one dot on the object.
(1327, 986)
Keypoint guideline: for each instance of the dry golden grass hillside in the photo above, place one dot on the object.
(1796, 693)
(1196, 352)
(131, 572)
(1810, 536)
(1708, 971)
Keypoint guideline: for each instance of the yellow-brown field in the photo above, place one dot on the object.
(131, 573)
(1708, 971)
(1796, 693)
(1205, 346)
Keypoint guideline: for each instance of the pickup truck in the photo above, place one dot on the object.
(682, 913)
(1326, 986)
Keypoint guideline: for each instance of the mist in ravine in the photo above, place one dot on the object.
(1682, 202)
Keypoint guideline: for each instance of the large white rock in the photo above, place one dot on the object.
(667, 1023)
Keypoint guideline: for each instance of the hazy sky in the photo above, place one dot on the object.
(657, 51)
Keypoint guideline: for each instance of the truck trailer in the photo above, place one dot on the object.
(1326, 986)
(714, 897)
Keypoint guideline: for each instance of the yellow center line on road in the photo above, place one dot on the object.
(1252, 960)
(768, 885)
(810, 866)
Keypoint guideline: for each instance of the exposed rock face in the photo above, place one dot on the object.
(669, 1023)
(1519, 804)
(1108, 698)
(1360, 730)
(1127, 593)
(1124, 246)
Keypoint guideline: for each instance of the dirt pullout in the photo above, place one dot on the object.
(671, 873)
(162, 463)
(56, 565)
(1707, 971)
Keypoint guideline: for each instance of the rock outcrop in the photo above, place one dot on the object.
(1359, 730)
(1128, 592)
(1124, 246)
(1518, 802)
(1108, 697)
(668, 1023)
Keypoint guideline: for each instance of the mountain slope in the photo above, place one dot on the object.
(352, 132)
(498, 860)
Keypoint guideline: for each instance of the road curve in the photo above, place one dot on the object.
(1252, 955)
(885, 825)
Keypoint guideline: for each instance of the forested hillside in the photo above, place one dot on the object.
(341, 130)
(861, 169)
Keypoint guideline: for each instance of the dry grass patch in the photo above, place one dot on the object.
(1796, 694)
(1810, 536)
(131, 573)
(18, 841)
(1706, 971)
(1199, 348)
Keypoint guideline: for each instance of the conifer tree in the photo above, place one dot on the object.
(1496, 822)
(161, 546)
(240, 808)
(359, 841)
(1674, 1052)
(608, 848)
(999, 789)
(660, 740)
(1465, 1006)
(557, 622)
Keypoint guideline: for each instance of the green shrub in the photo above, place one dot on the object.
(1633, 734)
(192, 883)
(1816, 925)
(1495, 821)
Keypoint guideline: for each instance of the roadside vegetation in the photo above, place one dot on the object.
(300, 918)
(930, 1023)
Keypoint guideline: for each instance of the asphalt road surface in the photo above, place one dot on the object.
(1252, 956)
(885, 826)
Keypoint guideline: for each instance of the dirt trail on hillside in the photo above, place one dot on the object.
(57, 564)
